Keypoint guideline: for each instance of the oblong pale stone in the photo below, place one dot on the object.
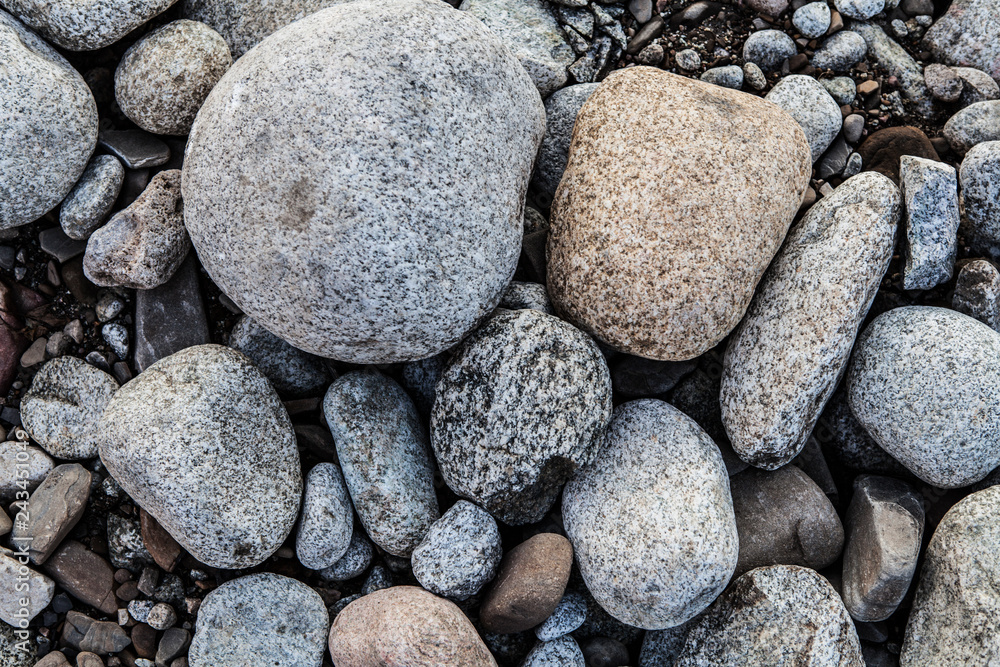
(85, 25)
(930, 192)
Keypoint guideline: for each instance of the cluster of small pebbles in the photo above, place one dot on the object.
(499, 333)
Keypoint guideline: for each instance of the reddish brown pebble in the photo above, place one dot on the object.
(127, 591)
(144, 640)
(882, 150)
(54, 659)
(84, 575)
(87, 659)
(158, 542)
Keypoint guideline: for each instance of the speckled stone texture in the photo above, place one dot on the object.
(812, 19)
(405, 625)
(782, 616)
(650, 250)
(562, 652)
(144, 245)
(91, 199)
(569, 614)
(163, 79)
(260, 619)
(526, 295)
(980, 179)
(787, 356)
(859, 9)
(36, 466)
(61, 409)
(977, 292)
(930, 194)
(660, 648)
(38, 594)
(383, 452)
(293, 373)
(967, 35)
(840, 52)
(366, 259)
(973, 125)
(355, 560)
(846, 442)
(768, 49)
(85, 25)
(460, 552)
(809, 103)
(327, 521)
(244, 23)
(651, 520)
(911, 387)
(561, 109)
(519, 409)
(13, 651)
(956, 612)
(51, 126)
(201, 442)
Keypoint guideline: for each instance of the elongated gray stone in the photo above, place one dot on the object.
(327, 521)
(812, 107)
(977, 292)
(652, 551)
(786, 357)
(85, 25)
(973, 125)
(171, 317)
(956, 613)
(930, 195)
(53, 510)
(900, 64)
(460, 552)
(910, 387)
(980, 179)
(91, 199)
(967, 35)
(383, 452)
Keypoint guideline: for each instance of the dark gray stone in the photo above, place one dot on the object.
(526, 295)
(55, 242)
(460, 552)
(136, 148)
(293, 373)
(560, 113)
(635, 377)
(660, 648)
(834, 159)
(977, 292)
(91, 199)
(170, 318)
(846, 442)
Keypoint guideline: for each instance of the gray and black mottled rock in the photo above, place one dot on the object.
(519, 409)
(784, 518)
(321, 232)
(812, 19)
(85, 25)
(51, 126)
(201, 442)
(293, 373)
(125, 546)
(768, 49)
(956, 615)
(137, 149)
(812, 107)
(975, 124)
(980, 179)
(653, 553)
(977, 292)
(859, 9)
(660, 648)
(930, 197)
(355, 560)
(793, 603)
(61, 409)
(966, 35)
(885, 523)
(561, 652)
(383, 452)
(14, 577)
(688, 60)
(260, 619)
(460, 552)
(561, 108)
(171, 317)
(54, 509)
(420, 379)
(378, 579)
(910, 388)
(163, 79)
(17, 650)
(846, 442)
(569, 614)
(840, 52)
(532, 296)
(900, 64)
(244, 23)
(977, 86)
(143, 246)
(88, 204)
(327, 522)
(842, 89)
(943, 82)
(786, 357)
(730, 76)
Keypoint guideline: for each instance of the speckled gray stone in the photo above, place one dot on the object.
(569, 614)
(22, 468)
(788, 602)
(163, 79)
(841, 89)
(366, 260)
(859, 9)
(91, 199)
(142, 246)
(519, 409)
(768, 49)
(33, 587)
(754, 76)
(840, 52)
(260, 619)
(51, 126)
(660, 648)
(532, 296)
(977, 292)
(980, 179)
(786, 357)
(293, 373)
(355, 560)
(967, 35)
(460, 552)
(561, 109)
(930, 195)
(910, 387)
(244, 23)
(943, 82)
(977, 86)
(956, 612)
(845, 441)
(382, 447)
(125, 546)
(812, 19)
(15, 650)
(327, 522)
(885, 521)
(898, 63)
(62, 407)
(854, 125)
(562, 652)
(85, 25)
(201, 442)
(973, 125)
(730, 76)
(812, 107)
(688, 59)
(653, 551)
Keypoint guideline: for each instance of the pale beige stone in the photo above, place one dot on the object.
(676, 196)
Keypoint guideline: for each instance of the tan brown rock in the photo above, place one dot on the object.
(676, 196)
(405, 625)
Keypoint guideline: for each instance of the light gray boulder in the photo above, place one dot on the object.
(808, 102)
(859, 9)
(812, 19)
(768, 49)
(840, 52)
(966, 35)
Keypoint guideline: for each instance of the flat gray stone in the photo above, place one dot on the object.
(973, 125)
(562, 652)
(811, 106)
(653, 553)
(383, 452)
(840, 52)
(38, 594)
(786, 357)
(930, 196)
(812, 19)
(201, 442)
(569, 614)
(980, 179)
(22, 468)
(910, 388)
(54, 509)
(293, 373)
(560, 113)
(85, 25)
(260, 619)
(768, 49)
(327, 521)
(967, 35)
(355, 560)
(977, 292)
(519, 409)
(91, 199)
(357, 259)
(51, 122)
(460, 553)
(900, 64)
(171, 317)
(137, 149)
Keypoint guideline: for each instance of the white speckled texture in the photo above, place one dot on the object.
(201, 442)
(85, 25)
(840, 52)
(569, 614)
(787, 356)
(859, 9)
(293, 372)
(656, 245)
(36, 467)
(809, 103)
(911, 385)
(651, 520)
(562, 652)
(967, 35)
(460, 552)
(973, 125)
(519, 409)
(980, 179)
(327, 521)
(930, 194)
(382, 219)
(91, 199)
(956, 613)
(355, 560)
(768, 49)
(977, 292)
(15, 577)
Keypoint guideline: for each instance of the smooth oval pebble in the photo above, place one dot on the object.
(460, 552)
(327, 522)
(768, 49)
(85, 25)
(651, 520)
(398, 252)
(973, 125)
(911, 388)
(809, 103)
